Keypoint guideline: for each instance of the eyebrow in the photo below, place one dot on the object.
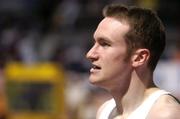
(104, 39)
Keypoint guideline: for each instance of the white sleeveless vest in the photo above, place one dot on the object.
(140, 113)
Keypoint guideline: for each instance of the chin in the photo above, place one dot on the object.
(94, 80)
(97, 81)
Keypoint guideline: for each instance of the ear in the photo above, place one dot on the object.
(140, 57)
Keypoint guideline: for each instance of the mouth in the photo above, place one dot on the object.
(95, 68)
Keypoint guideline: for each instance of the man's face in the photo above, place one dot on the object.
(108, 53)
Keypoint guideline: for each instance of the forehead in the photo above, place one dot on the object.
(111, 28)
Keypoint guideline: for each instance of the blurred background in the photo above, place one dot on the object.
(43, 70)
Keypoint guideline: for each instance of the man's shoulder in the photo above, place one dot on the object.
(166, 107)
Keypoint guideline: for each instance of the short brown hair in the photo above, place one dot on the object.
(146, 29)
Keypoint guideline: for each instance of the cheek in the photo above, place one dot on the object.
(114, 63)
(114, 56)
(117, 62)
(118, 57)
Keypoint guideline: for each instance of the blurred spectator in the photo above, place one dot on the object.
(75, 59)
(69, 11)
(8, 41)
(167, 74)
(76, 92)
(26, 47)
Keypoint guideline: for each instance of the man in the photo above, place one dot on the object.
(128, 44)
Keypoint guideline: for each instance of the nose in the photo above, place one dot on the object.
(92, 54)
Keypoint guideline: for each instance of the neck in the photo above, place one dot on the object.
(137, 92)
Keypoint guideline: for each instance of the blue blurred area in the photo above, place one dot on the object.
(60, 31)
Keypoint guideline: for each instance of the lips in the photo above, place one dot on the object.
(96, 67)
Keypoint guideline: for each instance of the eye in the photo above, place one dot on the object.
(104, 43)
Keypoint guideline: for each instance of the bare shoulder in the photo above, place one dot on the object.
(167, 107)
